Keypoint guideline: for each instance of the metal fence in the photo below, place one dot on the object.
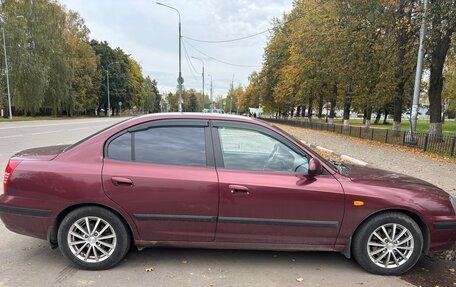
(425, 141)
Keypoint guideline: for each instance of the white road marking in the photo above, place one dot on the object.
(50, 132)
(59, 124)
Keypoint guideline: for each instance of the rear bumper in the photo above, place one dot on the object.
(25, 211)
(27, 221)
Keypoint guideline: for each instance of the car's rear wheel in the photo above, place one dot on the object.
(93, 238)
(389, 243)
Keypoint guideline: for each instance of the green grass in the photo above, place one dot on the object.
(449, 127)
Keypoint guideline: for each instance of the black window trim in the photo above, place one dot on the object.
(203, 123)
(215, 124)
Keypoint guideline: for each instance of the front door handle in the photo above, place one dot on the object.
(119, 181)
(238, 189)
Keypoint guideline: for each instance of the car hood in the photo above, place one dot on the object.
(41, 153)
(380, 177)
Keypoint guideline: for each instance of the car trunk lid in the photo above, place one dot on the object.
(40, 153)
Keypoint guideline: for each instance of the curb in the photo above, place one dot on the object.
(333, 153)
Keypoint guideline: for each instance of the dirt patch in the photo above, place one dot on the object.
(432, 272)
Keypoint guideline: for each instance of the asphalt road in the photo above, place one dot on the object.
(29, 262)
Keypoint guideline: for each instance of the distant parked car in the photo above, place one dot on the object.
(217, 181)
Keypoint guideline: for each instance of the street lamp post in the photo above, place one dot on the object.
(180, 80)
(212, 101)
(107, 87)
(418, 73)
(10, 109)
(203, 77)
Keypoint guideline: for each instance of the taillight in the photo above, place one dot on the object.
(12, 164)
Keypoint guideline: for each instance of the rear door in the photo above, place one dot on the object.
(162, 173)
(266, 195)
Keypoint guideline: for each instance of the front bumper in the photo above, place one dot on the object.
(443, 232)
(444, 225)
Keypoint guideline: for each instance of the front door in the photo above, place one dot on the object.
(163, 175)
(266, 195)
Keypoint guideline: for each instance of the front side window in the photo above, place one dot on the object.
(251, 150)
(161, 145)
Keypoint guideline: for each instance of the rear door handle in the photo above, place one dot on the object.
(238, 189)
(119, 181)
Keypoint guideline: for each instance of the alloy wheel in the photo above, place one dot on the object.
(390, 245)
(91, 239)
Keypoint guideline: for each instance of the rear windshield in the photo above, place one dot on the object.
(92, 135)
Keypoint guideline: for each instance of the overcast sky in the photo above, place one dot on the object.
(149, 33)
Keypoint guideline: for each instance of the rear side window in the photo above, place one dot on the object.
(171, 145)
(120, 147)
(162, 145)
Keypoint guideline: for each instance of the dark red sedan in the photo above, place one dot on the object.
(216, 181)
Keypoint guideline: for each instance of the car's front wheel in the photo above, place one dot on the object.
(389, 243)
(93, 238)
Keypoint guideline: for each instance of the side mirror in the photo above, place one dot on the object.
(314, 167)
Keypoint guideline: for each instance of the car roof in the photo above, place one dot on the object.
(209, 116)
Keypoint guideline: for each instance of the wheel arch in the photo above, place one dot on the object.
(347, 252)
(53, 229)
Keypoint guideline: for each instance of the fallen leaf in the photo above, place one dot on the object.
(452, 270)
(300, 279)
(149, 269)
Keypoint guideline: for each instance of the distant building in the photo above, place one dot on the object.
(258, 112)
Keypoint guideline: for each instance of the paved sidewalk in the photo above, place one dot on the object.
(440, 173)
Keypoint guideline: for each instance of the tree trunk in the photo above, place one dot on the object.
(377, 117)
(368, 117)
(309, 112)
(401, 42)
(385, 118)
(347, 106)
(320, 104)
(298, 111)
(98, 110)
(438, 56)
(332, 112)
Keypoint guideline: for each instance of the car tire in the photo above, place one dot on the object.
(389, 243)
(93, 238)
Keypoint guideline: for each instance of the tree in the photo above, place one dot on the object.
(449, 89)
(442, 22)
(152, 97)
(356, 55)
(82, 98)
(53, 67)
